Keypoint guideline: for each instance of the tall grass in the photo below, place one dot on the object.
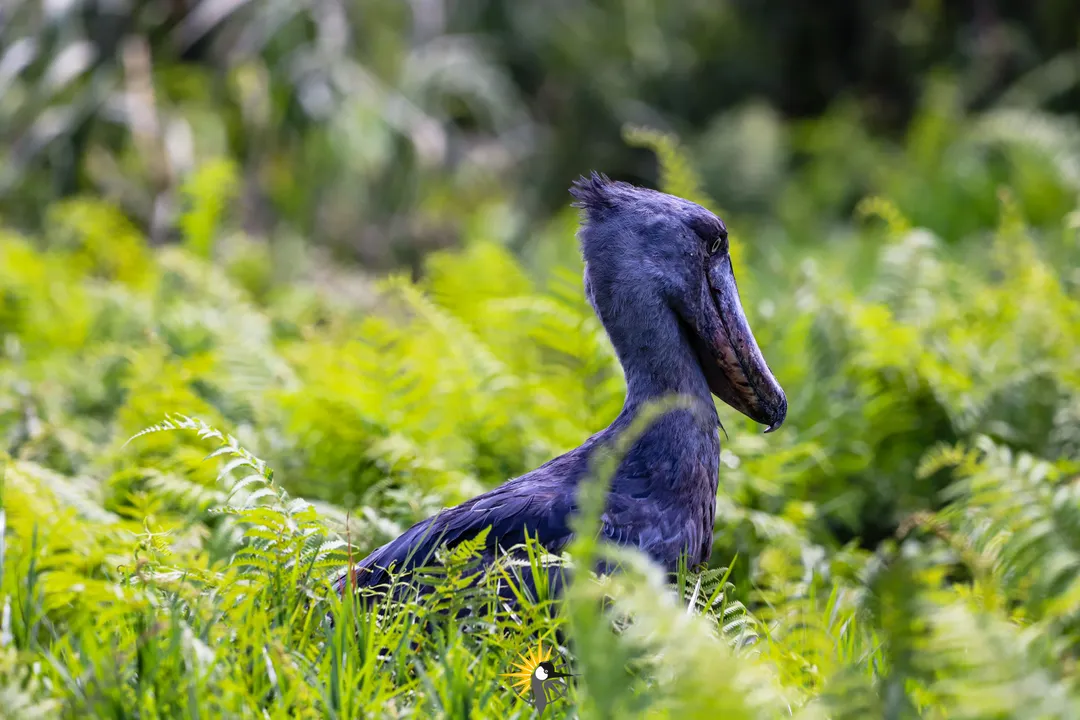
(906, 546)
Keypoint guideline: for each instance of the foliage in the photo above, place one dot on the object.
(365, 124)
(905, 546)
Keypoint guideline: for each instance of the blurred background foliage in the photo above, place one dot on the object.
(370, 126)
(339, 232)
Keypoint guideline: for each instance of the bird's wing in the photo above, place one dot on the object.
(645, 525)
(630, 521)
(509, 510)
(555, 690)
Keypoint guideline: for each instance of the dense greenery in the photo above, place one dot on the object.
(366, 125)
(908, 543)
(205, 413)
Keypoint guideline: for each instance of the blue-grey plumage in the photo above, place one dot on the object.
(659, 276)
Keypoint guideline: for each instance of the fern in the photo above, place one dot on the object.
(906, 546)
(283, 534)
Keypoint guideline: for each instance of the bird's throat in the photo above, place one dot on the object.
(659, 361)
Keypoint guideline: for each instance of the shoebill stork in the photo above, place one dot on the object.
(659, 276)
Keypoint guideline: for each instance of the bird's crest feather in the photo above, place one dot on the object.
(593, 193)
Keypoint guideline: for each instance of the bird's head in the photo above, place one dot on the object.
(647, 247)
(546, 670)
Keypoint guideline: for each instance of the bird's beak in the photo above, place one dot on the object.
(560, 675)
(729, 354)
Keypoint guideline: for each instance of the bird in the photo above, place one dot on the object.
(537, 672)
(658, 274)
(547, 684)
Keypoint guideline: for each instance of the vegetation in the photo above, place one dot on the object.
(908, 543)
(205, 414)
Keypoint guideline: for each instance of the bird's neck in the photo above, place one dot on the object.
(681, 448)
(656, 356)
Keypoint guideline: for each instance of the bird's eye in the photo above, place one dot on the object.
(711, 230)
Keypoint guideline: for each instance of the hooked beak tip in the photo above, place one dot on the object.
(778, 417)
(780, 413)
